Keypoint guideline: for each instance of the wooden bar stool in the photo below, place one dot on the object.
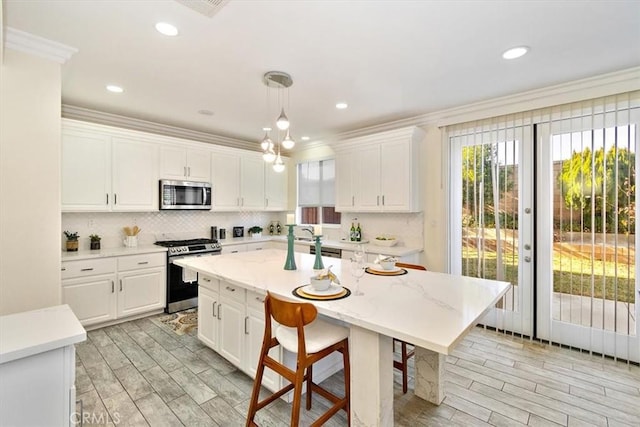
(312, 339)
(404, 354)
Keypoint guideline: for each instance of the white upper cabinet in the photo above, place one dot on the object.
(105, 172)
(185, 164)
(276, 188)
(135, 175)
(379, 173)
(86, 170)
(238, 179)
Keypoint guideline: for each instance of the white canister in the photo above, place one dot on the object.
(131, 241)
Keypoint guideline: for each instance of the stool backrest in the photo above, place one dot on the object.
(412, 266)
(289, 313)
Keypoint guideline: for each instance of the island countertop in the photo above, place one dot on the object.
(429, 309)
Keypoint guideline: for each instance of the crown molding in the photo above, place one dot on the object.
(109, 119)
(578, 90)
(38, 46)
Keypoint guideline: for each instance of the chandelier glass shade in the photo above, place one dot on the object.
(271, 148)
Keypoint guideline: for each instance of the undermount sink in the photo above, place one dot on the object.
(304, 239)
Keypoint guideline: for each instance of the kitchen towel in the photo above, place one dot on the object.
(189, 276)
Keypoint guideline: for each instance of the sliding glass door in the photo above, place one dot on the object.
(491, 206)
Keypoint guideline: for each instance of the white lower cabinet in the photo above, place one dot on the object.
(104, 289)
(231, 322)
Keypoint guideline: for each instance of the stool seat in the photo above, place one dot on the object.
(318, 335)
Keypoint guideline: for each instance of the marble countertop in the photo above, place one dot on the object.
(33, 332)
(371, 248)
(429, 309)
(111, 252)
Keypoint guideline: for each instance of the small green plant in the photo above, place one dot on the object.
(71, 236)
(94, 237)
(255, 229)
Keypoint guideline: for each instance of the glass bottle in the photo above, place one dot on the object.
(358, 233)
(352, 233)
(278, 228)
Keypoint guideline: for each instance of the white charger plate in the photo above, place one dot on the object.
(332, 290)
(378, 269)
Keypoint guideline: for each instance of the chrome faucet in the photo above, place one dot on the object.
(309, 229)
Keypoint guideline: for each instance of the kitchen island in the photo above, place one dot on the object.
(431, 310)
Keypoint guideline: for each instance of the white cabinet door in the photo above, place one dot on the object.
(140, 291)
(92, 299)
(86, 171)
(253, 344)
(396, 173)
(258, 246)
(225, 173)
(345, 197)
(367, 179)
(208, 302)
(198, 165)
(252, 183)
(173, 162)
(134, 175)
(232, 329)
(276, 196)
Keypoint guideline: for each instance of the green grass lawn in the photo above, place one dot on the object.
(570, 275)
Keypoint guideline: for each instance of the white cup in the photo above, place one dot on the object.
(131, 241)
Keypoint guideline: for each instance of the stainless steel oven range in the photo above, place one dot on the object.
(182, 285)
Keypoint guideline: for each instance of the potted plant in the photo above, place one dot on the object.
(95, 241)
(255, 231)
(72, 241)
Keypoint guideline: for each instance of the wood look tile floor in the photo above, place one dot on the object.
(141, 373)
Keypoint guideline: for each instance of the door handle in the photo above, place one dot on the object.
(527, 246)
(246, 328)
(143, 262)
(120, 285)
(113, 288)
(527, 259)
(188, 170)
(377, 200)
(107, 198)
(115, 198)
(184, 170)
(383, 200)
(213, 308)
(219, 315)
(86, 269)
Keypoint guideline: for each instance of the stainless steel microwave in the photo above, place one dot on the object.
(187, 195)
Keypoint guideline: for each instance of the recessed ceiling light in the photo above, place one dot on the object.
(114, 89)
(341, 105)
(205, 112)
(305, 138)
(515, 52)
(166, 29)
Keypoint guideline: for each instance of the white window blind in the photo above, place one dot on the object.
(316, 183)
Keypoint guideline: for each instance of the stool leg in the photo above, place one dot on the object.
(297, 396)
(405, 378)
(309, 380)
(347, 380)
(255, 393)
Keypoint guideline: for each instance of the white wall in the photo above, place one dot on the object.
(29, 182)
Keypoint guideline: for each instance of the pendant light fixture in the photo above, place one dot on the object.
(280, 81)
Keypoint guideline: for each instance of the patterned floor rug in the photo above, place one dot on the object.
(181, 322)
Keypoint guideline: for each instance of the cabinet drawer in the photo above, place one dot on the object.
(209, 283)
(133, 262)
(256, 300)
(228, 290)
(88, 267)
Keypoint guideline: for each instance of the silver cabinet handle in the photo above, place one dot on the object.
(86, 269)
(377, 200)
(184, 170)
(259, 299)
(229, 288)
(115, 198)
(246, 327)
(219, 311)
(353, 202)
(266, 202)
(213, 308)
(234, 252)
(107, 198)
(383, 200)
(527, 246)
(206, 279)
(143, 262)
(113, 287)
(63, 269)
(527, 259)
(188, 170)
(81, 411)
(120, 285)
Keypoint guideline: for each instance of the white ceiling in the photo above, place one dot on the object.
(387, 59)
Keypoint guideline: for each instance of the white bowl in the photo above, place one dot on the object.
(320, 284)
(388, 264)
(389, 241)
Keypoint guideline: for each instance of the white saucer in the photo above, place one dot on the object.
(332, 290)
(378, 269)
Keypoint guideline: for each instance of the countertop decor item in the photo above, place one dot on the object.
(131, 236)
(387, 241)
(255, 231)
(72, 241)
(95, 241)
(290, 263)
(318, 265)
(238, 231)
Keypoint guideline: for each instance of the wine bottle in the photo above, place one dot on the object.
(352, 233)
(358, 233)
